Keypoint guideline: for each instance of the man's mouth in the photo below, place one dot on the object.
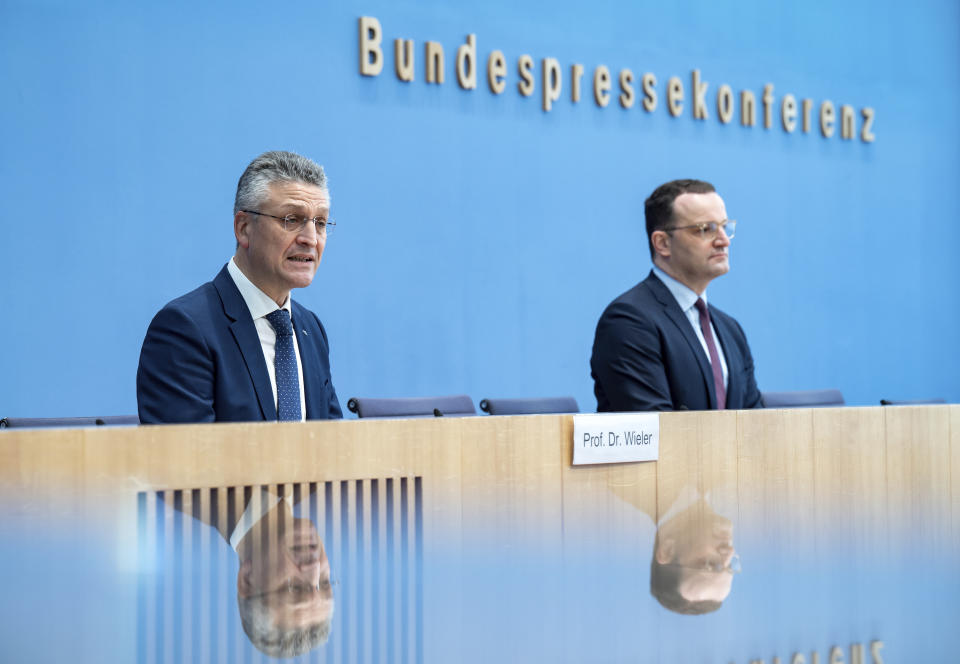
(301, 259)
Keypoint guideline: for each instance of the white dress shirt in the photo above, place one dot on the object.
(258, 507)
(687, 300)
(260, 304)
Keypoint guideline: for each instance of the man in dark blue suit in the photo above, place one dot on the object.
(660, 345)
(238, 348)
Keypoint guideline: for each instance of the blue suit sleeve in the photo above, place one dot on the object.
(627, 361)
(333, 410)
(751, 393)
(175, 379)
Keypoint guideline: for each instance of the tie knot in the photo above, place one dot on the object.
(280, 320)
(702, 308)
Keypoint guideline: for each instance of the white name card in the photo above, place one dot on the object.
(616, 438)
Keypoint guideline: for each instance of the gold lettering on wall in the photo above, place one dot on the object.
(371, 55)
(767, 106)
(856, 653)
(748, 108)
(836, 655)
(649, 92)
(875, 648)
(434, 62)
(466, 64)
(788, 113)
(552, 82)
(525, 71)
(725, 103)
(699, 96)
(866, 134)
(497, 72)
(807, 108)
(626, 87)
(601, 85)
(847, 129)
(827, 116)
(403, 56)
(675, 96)
(576, 75)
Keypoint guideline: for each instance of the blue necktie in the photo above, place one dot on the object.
(285, 364)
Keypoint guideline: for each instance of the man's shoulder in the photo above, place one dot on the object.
(203, 304)
(642, 296)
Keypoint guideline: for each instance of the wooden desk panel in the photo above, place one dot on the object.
(824, 504)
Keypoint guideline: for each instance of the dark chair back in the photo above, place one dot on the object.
(541, 406)
(74, 422)
(458, 404)
(910, 402)
(802, 399)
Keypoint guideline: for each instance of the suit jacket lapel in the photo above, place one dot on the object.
(675, 314)
(313, 377)
(245, 334)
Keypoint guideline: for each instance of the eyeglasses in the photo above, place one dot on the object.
(294, 223)
(298, 590)
(716, 567)
(709, 229)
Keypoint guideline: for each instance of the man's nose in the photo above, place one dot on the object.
(308, 235)
(722, 240)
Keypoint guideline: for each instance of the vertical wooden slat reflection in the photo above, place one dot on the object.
(363, 566)
(391, 567)
(235, 502)
(143, 557)
(162, 557)
(376, 571)
(203, 552)
(219, 580)
(404, 571)
(335, 553)
(418, 569)
(350, 523)
(180, 611)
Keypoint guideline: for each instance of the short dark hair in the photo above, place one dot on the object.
(665, 582)
(658, 208)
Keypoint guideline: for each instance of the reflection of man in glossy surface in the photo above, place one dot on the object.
(693, 560)
(284, 593)
(283, 586)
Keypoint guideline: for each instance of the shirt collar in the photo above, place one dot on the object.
(259, 303)
(684, 296)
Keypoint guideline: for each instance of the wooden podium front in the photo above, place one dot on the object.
(828, 535)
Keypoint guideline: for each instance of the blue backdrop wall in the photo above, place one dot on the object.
(479, 237)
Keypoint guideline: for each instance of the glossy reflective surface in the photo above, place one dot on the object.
(753, 537)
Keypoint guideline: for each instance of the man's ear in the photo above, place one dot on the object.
(244, 586)
(241, 228)
(661, 243)
(666, 550)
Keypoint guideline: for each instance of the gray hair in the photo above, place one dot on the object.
(261, 628)
(275, 166)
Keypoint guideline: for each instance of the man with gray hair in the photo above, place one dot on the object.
(239, 348)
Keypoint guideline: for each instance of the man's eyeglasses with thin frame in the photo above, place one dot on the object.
(733, 567)
(294, 223)
(710, 229)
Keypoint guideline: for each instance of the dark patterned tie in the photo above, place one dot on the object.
(285, 364)
(714, 356)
